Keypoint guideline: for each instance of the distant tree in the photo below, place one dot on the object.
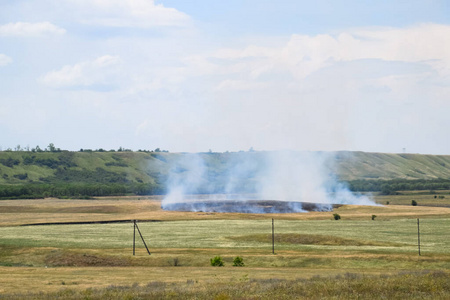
(51, 147)
(414, 203)
(336, 217)
(373, 217)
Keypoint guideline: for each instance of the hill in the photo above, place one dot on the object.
(388, 166)
(126, 172)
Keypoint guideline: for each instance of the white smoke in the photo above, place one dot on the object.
(287, 176)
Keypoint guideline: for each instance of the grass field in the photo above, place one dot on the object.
(315, 256)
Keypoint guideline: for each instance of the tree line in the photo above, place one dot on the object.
(121, 188)
(78, 190)
(391, 187)
(52, 148)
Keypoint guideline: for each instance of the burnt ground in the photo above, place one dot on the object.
(248, 206)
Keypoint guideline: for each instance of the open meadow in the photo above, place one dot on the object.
(75, 249)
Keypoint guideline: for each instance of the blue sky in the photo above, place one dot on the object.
(226, 75)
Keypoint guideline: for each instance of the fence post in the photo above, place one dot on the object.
(418, 235)
(273, 238)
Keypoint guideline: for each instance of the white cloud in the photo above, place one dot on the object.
(30, 29)
(98, 73)
(129, 13)
(5, 60)
(303, 55)
(357, 89)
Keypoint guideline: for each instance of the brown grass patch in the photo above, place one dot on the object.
(60, 258)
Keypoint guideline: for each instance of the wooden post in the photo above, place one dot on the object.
(142, 238)
(273, 238)
(134, 236)
(418, 235)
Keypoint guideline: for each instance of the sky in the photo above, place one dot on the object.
(200, 75)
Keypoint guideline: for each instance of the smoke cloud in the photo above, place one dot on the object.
(257, 182)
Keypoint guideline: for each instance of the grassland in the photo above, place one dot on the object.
(315, 256)
(137, 167)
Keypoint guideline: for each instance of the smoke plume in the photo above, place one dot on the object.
(241, 180)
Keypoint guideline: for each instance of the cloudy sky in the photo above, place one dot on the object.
(226, 75)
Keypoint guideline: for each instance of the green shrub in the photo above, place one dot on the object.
(414, 203)
(336, 216)
(217, 262)
(238, 262)
(373, 217)
(387, 202)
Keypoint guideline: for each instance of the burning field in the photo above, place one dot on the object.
(247, 206)
(258, 183)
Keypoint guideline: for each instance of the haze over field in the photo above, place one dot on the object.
(226, 75)
(282, 175)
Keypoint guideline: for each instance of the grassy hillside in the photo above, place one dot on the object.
(147, 172)
(364, 165)
(23, 167)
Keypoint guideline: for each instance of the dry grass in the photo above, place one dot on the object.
(421, 197)
(82, 258)
(51, 279)
(423, 285)
(19, 212)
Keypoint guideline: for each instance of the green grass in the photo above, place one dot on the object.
(140, 166)
(435, 235)
(392, 166)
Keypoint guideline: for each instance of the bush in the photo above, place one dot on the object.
(414, 203)
(387, 202)
(238, 262)
(336, 216)
(373, 217)
(217, 262)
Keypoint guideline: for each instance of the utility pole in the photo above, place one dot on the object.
(418, 235)
(134, 236)
(273, 238)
